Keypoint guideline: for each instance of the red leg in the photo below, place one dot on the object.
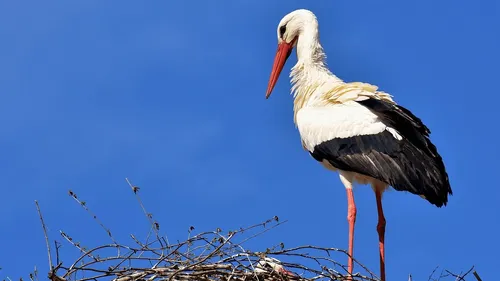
(351, 218)
(381, 233)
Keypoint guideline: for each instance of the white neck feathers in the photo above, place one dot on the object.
(310, 77)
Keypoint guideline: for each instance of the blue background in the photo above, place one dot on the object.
(171, 95)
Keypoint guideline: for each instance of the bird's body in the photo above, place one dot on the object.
(370, 139)
(355, 129)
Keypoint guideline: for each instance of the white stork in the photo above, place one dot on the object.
(355, 129)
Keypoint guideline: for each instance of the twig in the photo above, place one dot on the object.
(77, 245)
(154, 225)
(45, 234)
(263, 231)
(57, 246)
(83, 204)
(432, 273)
(460, 277)
(205, 258)
(477, 276)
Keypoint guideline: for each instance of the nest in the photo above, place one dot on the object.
(207, 256)
(213, 255)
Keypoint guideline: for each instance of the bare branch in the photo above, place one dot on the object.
(460, 277)
(83, 204)
(44, 234)
(154, 225)
(477, 276)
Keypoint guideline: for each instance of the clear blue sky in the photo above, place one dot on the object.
(171, 95)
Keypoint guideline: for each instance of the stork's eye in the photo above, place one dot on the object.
(282, 30)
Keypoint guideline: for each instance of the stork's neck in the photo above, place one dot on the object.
(309, 50)
(310, 77)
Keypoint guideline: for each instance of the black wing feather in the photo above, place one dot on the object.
(411, 164)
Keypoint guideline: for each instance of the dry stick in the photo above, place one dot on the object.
(34, 275)
(57, 251)
(45, 234)
(204, 259)
(88, 253)
(100, 261)
(135, 189)
(477, 276)
(77, 245)
(84, 206)
(241, 248)
(460, 276)
(327, 250)
(167, 256)
(145, 247)
(95, 278)
(261, 232)
(432, 273)
(121, 262)
(443, 274)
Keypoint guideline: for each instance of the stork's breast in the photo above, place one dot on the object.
(319, 124)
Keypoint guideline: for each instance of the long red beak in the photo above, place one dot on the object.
(284, 51)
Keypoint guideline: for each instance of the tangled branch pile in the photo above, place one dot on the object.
(210, 255)
(213, 255)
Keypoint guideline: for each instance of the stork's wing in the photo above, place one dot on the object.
(378, 139)
(405, 122)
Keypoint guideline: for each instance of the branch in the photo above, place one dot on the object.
(45, 234)
(154, 225)
(477, 276)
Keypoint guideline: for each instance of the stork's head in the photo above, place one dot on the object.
(289, 30)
